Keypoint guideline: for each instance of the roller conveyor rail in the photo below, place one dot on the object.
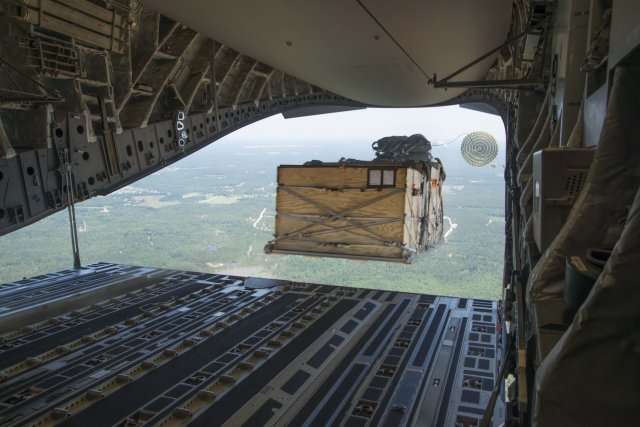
(174, 347)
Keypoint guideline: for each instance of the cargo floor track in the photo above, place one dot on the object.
(111, 344)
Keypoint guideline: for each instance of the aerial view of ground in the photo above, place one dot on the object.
(214, 212)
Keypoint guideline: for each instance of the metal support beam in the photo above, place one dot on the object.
(214, 82)
(444, 82)
(493, 84)
(50, 97)
(488, 414)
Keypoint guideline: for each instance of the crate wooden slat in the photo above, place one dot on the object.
(331, 176)
(333, 210)
(391, 206)
(350, 234)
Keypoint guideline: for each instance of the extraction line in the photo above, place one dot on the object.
(65, 170)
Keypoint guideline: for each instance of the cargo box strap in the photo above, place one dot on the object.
(346, 229)
(333, 215)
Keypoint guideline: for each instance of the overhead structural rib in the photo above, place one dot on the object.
(118, 110)
(372, 51)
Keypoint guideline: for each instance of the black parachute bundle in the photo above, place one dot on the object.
(401, 149)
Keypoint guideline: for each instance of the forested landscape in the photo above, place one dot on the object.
(214, 212)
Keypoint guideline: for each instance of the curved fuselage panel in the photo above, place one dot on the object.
(373, 51)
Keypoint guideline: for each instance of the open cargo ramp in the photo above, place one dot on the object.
(205, 349)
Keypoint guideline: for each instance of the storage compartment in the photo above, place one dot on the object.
(363, 210)
(559, 174)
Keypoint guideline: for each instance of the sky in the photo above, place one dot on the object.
(437, 124)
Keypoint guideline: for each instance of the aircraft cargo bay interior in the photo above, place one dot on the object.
(526, 223)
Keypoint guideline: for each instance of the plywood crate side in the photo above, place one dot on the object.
(326, 202)
(414, 208)
(343, 176)
(412, 233)
(414, 204)
(330, 232)
(414, 178)
(327, 177)
(435, 215)
(401, 178)
(308, 196)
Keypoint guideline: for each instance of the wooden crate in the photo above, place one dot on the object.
(364, 210)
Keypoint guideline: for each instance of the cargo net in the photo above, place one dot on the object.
(479, 148)
(401, 149)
